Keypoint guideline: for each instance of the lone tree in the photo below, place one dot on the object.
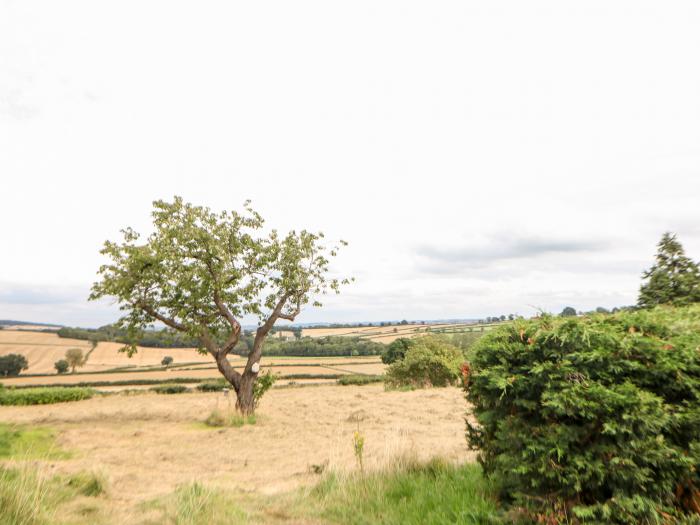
(166, 361)
(61, 366)
(12, 364)
(200, 272)
(75, 358)
(568, 312)
(673, 279)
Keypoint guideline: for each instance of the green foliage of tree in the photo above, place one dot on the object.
(199, 272)
(61, 366)
(75, 358)
(166, 361)
(593, 419)
(673, 279)
(396, 350)
(430, 361)
(12, 365)
(568, 312)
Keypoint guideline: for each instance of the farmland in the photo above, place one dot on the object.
(107, 365)
(388, 333)
(299, 434)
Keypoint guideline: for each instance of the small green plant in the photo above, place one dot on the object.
(43, 396)
(358, 444)
(170, 389)
(229, 418)
(88, 484)
(166, 361)
(263, 383)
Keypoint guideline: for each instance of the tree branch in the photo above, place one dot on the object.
(172, 323)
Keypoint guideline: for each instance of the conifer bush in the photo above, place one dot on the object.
(593, 419)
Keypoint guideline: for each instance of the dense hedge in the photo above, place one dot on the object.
(43, 396)
(358, 379)
(594, 419)
(169, 389)
(429, 361)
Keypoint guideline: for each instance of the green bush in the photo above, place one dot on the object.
(430, 361)
(213, 386)
(396, 350)
(43, 396)
(169, 389)
(593, 419)
(12, 365)
(357, 379)
(61, 366)
(263, 383)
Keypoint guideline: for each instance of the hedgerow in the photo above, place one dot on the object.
(359, 379)
(169, 389)
(43, 396)
(594, 419)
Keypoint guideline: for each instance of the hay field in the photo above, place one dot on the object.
(148, 444)
(339, 366)
(387, 334)
(42, 350)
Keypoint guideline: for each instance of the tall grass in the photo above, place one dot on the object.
(408, 492)
(196, 504)
(228, 418)
(23, 497)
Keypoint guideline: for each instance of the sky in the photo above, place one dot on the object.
(481, 158)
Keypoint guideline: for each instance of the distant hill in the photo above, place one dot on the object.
(27, 325)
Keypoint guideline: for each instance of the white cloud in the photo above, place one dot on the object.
(419, 132)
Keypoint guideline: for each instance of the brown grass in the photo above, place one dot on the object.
(150, 444)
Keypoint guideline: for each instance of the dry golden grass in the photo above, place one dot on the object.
(42, 350)
(341, 366)
(380, 334)
(149, 444)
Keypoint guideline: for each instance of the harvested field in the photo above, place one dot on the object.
(387, 334)
(131, 438)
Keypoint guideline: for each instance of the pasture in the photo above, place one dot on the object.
(106, 364)
(388, 333)
(145, 446)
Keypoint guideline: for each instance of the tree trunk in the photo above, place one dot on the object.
(245, 402)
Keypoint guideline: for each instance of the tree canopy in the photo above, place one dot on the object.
(12, 364)
(673, 279)
(200, 272)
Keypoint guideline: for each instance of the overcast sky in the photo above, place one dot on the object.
(480, 157)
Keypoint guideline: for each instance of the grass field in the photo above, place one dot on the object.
(107, 364)
(387, 334)
(299, 436)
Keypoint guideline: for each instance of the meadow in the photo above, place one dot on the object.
(144, 448)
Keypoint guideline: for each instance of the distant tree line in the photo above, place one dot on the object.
(314, 347)
(166, 338)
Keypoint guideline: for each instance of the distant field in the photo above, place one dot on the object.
(42, 350)
(387, 334)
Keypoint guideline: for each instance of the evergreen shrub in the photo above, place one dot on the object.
(593, 419)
